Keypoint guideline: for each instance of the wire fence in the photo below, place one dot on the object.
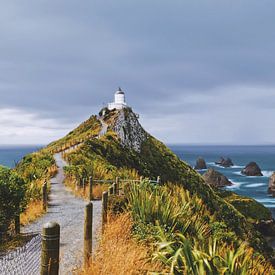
(24, 260)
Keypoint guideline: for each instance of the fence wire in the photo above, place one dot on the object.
(24, 260)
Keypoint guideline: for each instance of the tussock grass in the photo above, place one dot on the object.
(119, 253)
(33, 211)
(180, 226)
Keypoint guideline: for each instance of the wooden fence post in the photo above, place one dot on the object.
(88, 233)
(158, 180)
(104, 209)
(111, 189)
(84, 185)
(50, 249)
(91, 189)
(44, 196)
(117, 186)
(17, 221)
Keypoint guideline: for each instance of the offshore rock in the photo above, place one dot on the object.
(271, 185)
(252, 169)
(215, 178)
(200, 164)
(225, 162)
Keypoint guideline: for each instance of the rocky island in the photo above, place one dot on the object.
(200, 164)
(224, 162)
(215, 178)
(252, 169)
(271, 185)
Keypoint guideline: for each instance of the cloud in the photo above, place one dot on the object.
(231, 115)
(18, 126)
(61, 60)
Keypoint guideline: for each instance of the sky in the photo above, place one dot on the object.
(197, 72)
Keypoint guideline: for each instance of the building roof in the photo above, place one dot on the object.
(119, 91)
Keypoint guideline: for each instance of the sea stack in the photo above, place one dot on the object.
(225, 162)
(252, 169)
(200, 164)
(271, 185)
(215, 178)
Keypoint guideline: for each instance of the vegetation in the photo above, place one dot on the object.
(87, 130)
(181, 227)
(250, 208)
(106, 158)
(12, 194)
(119, 253)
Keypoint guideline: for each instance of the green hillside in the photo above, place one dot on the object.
(109, 156)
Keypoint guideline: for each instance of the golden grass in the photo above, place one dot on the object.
(14, 242)
(78, 191)
(99, 189)
(118, 253)
(33, 211)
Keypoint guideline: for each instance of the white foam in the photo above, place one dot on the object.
(237, 166)
(267, 174)
(270, 205)
(239, 173)
(255, 185)
(201, 170)
(236, 185)
(269, 200)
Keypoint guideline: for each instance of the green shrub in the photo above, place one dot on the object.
(12, 194)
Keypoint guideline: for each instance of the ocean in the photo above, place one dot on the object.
(10, 155)
(255, 187)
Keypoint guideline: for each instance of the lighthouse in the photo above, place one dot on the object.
(119, 101)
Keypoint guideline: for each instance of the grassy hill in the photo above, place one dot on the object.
(128, 151)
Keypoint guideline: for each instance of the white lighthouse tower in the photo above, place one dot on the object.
(119, 102)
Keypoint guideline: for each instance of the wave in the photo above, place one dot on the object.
(216, 165)
(255, 185)
(201, 170)
(239, 173)
(267, 174)
(236, 185)
(269, 200)
(237, 167)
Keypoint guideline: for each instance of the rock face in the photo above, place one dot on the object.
(200, 164)
(225, 162)
(252, 169)
(215, 178)
(271, 185)
(129, 130)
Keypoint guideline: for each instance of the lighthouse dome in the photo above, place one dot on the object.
(119, 92)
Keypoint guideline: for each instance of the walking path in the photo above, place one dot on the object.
(67, 210)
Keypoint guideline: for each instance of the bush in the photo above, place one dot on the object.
(12, 193)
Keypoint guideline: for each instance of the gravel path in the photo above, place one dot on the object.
(68, 211)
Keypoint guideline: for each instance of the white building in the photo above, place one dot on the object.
(119, 102)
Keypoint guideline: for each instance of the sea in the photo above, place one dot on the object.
(254, 187)
(11, 155)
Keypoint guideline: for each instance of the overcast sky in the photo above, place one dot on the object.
(195, 71)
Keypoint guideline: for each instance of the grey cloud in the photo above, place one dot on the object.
(62, 59)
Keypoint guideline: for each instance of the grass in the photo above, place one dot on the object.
(13, 243)
(180, 225)
(118, 253)
(79, 191)
(33, 211)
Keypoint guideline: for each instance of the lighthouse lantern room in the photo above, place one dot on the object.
(119, 102)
